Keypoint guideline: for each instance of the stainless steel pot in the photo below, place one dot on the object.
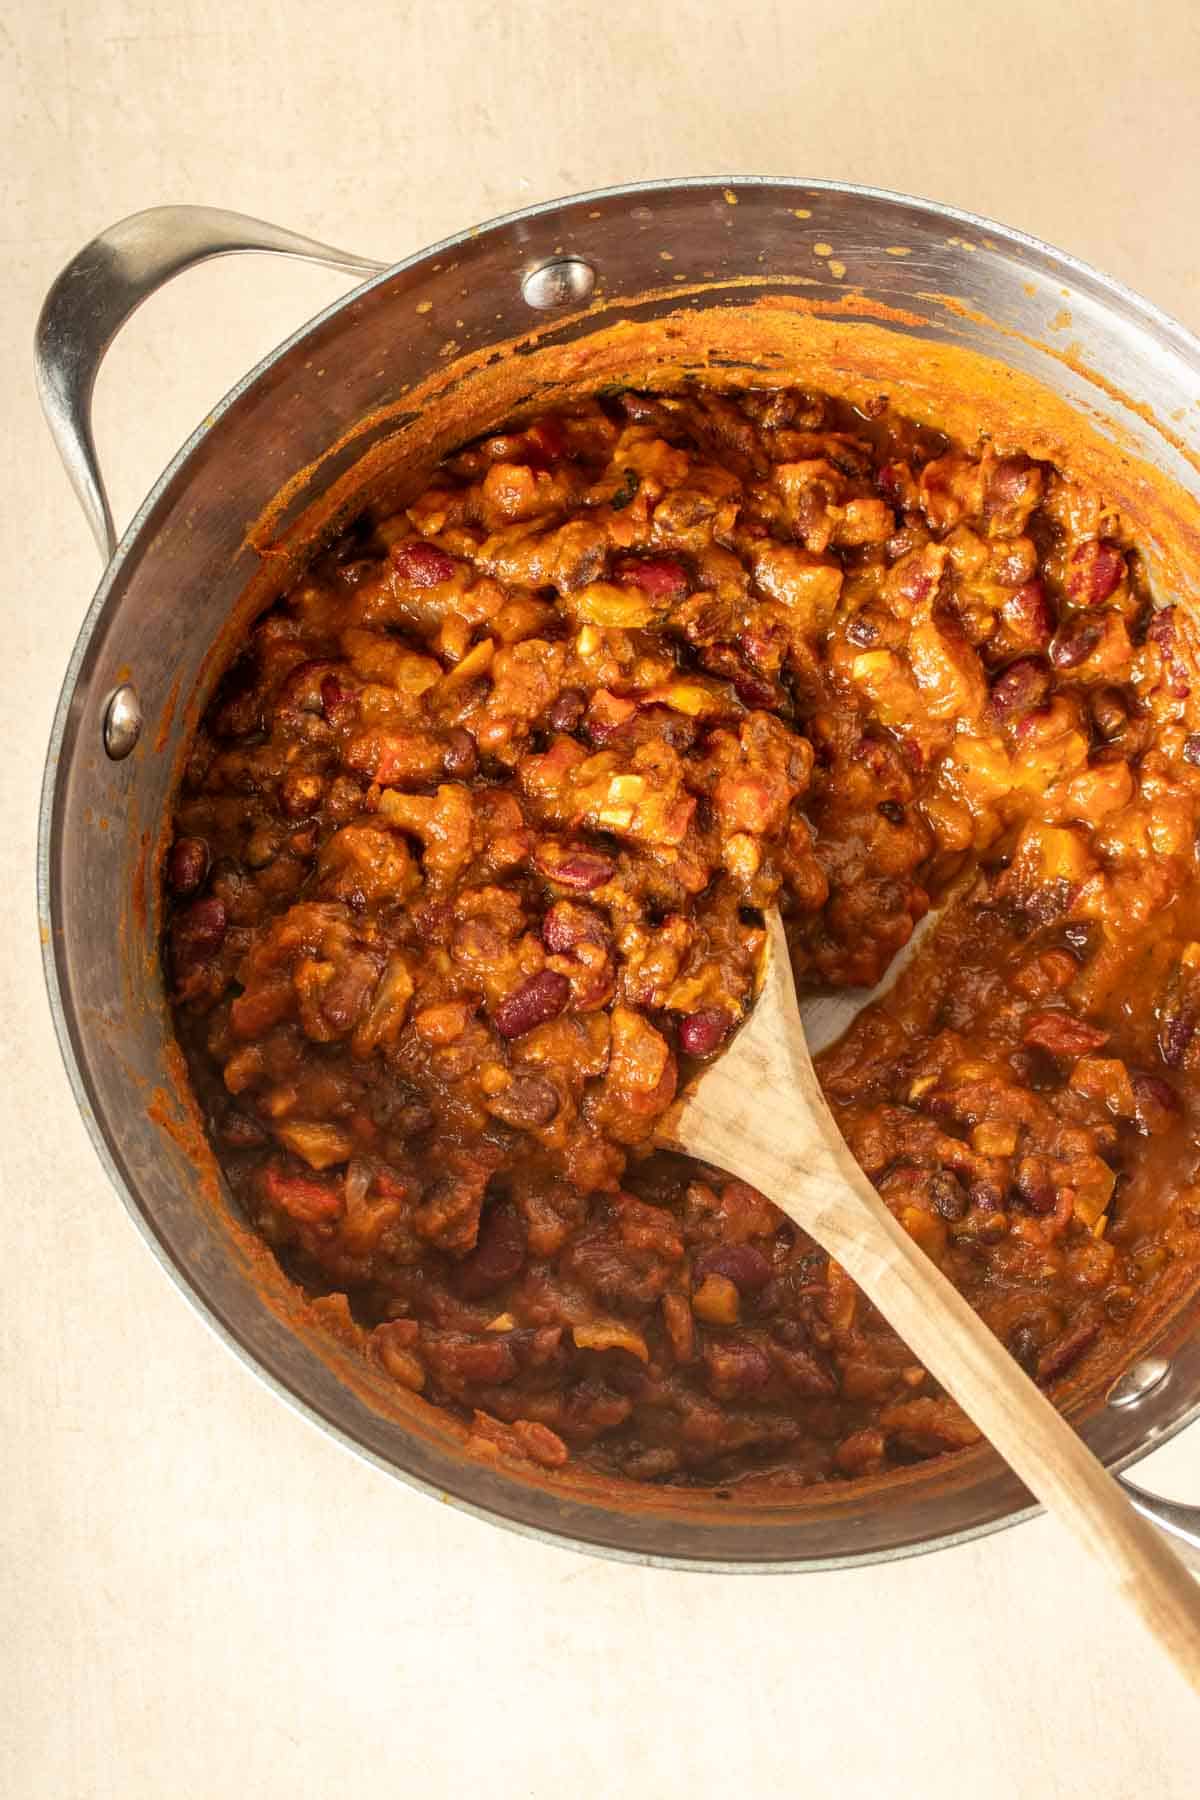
(144, 663)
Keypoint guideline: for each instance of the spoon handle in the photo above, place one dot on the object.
(795, 1155)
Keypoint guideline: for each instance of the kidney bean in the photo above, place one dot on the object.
(746, 1267)
(540, 998)
(1021, 687)
(910, 536)
(1176, 1029)
(199, 932)
(187, 864)
(758, 693)
(1175, 1037)
(918, 575)
(1029, 616)
(608, 714)
(895, 482)
(1094, 572)
(1038, 1197)
(460, 757)
(1161, 629)
(527, 1101)
(568, 924)
(1075, 641)
(878, 756)
(1162, 632)
(240, 1131)
(337, 701)
(1013, 480)
(703, 1032)
(345, 996)
(579, 869)
(584, 872)
(458, 1359)
(499, 1253)
(1014, 564)
(660, 577)
(650, 1465)
(735, 1367)
(804, 1370)
(1057, 1357)
(765, 647)
(422, 565)
(1062, 1034)
(1110, 715)
(1191, 749)
(1156, 1102)
(567, 711)
(546, 440)
(754, 686)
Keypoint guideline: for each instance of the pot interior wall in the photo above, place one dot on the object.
(689, 276)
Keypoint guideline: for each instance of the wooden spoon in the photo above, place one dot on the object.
(758, 1112)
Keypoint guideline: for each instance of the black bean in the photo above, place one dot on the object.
(567, 711)
(862, 631)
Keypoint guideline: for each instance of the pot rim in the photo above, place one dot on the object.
(1183, 341)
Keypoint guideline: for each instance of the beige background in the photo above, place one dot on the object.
(201, 1595)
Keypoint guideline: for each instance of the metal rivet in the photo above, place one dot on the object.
(1136, 1383)
(122, 723)
(563, 281)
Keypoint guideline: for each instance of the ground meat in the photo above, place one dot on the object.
(468, 873)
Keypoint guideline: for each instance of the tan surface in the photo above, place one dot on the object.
(201, 1595)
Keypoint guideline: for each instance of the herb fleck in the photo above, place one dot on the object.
(630, 483)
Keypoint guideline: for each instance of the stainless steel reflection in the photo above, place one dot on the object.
(183, 563)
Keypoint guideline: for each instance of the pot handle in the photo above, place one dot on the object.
(104, 285)
(1181, 1524)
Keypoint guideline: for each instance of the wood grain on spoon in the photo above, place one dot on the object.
(759, 1113)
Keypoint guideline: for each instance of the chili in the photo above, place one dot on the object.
(468, 874)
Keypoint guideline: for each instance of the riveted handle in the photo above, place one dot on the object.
(104, 285)
(1178, 1522)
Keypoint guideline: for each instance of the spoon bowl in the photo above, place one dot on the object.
(758, 1112)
